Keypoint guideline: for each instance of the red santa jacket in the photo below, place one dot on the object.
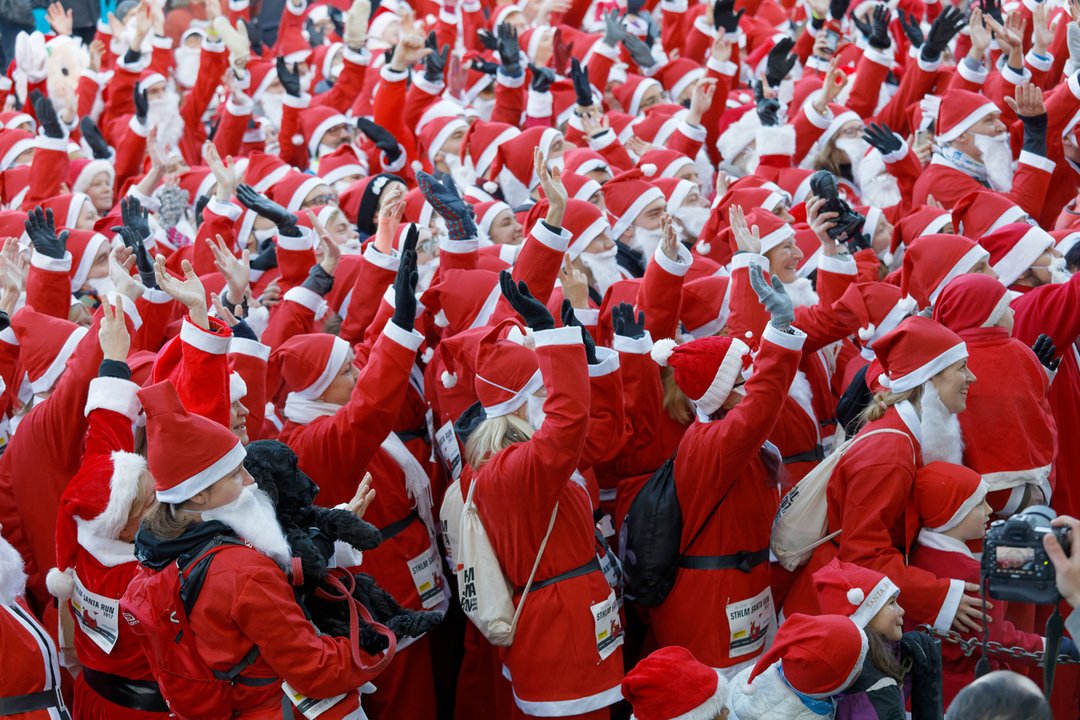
(28, 664)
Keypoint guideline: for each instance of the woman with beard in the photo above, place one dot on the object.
(913, 417)
(212, 521)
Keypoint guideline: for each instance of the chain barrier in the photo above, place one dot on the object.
(973, 646)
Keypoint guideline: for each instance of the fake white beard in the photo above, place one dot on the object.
(12, 573)
(463, 174)
(941, 438)
(164, 114)
(187, 65)
(786, 92)
(1059, 271)
(876, 186)
(271, 106)
(534, 408)
(558, 162)
(745, 164)
(693, 219)
(251, 516)
(855, 149)
(604, 268)
(424, 274)
(646, 241)
(102, 286)
(998, 159)
(801, 292)
(484, 107)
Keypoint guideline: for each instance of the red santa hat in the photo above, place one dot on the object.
(880, 309)
(149, 78)
(585, 222)
(340, 164)
(13, 224)
(316, 121)
(485, 213)
(382, 21)
(186, 453)
(946, 493)
(292, 46)
(672, 684)
(436, 133)
(675, 192)
(482, 141)
(1013, 248)
(1065, 240)
(706, 369)
(45, 345)
(84, 246)
(462, 299)
(627, 195)
(82, 171)
(844, 588)
(503, 15)
(66, 208)
(958, 111)
(772, 230)
(738, 128)
(984, 211)
(512, 167)
(417, 209)
(631, 92)
(972, 301)
(584, 160)
(841, 116)
(198, 182)
(12, 119)
(659, 124)
(263, 74)
(924, 221)
(580, 187)
(293, 189)
(917, 350)
(507, 372)
(749, 198)
(819, 655)
(679, 74)
(705, 305)
(16, 183)
(14, 143)
(262, 171)
(307, 364)
(931, 261)
(667, 162)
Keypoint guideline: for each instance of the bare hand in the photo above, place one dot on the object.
(236, 271)
(1066, 568)
(229, 317)
(409, 51)
(189, 292)
(746, 239)
(969, 614)
(112, 332)
(701, 100)
(328, 253)
(121, 262)
(721, 48)
(554, 190)
(835, 81)
(226, 175)
(1028, 102)
(271, 296)
(575, 285)
(361, 501)
(60, 20)
(669, 244)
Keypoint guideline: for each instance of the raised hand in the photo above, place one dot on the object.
(532, 311)
(42, 233)
(1028, 102)
(289, 78)
(747, 239)
(509, 50)
(614, 31)
(838, 8)
(189, 292)
(98, 146)
(780, 61)
(768, 109)
(542, 78)
(639, 51)
(773, 297)
(354, 32)
(236, 271)
(451, 208)
(879, 36)
(142, 105)
(554, 190)
(946, 26)
(582, 86)
(569, 319)
(725, 17)
(405, 283)
(489, 41)
(575, 285)
(46, 115)
(910, 25)
(1046, 352)
(383, 138)
(264, 206)
(624, 324)
(121, 260)
(880, 136)
(435, 62)
(112, 332)
(487, 67)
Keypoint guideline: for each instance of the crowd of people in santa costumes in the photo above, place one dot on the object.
(338, 363)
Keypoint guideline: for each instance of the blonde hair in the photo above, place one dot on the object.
(676, 404)
(884, 400)
(494, 435)
(164, 522)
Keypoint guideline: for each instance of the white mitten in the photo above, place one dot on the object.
(31, 56)
(235, 39)
(356, 23)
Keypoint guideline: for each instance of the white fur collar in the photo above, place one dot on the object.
(107, 551)
(939, 541)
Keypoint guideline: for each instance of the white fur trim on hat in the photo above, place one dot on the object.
(630, 214)
(969, 260)
(192, 486)
(237, 387)
(582, 241)
(52, 374)
(639, 94)
(323, 128)
(999, 308)
(1014, 214)
(920, 375)
(973, 117)
(93, 168)
(776, 238)
(967, 506)
(726, 375)
(443, 135)
(338, 354)
(870, 605)
(1027, 250)
(508, 406)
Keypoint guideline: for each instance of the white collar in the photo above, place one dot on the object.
(946, 543)
(911, 419)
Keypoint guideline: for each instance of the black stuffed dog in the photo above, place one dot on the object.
(311, 531)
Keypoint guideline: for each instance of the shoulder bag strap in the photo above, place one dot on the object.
(532, 575)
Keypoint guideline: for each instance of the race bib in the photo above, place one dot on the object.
(607, 626)
(751, 623)
(310, 707)
(449, 450)
(428, 578)
(98, 616)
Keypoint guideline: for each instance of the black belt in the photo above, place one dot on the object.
(815, 455)
(585, 569)
(743, 561)
(396, 527)
(232, 675)
(16, 704)
(407, 435)
(141, 695)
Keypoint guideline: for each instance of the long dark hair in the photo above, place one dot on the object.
(880, 653)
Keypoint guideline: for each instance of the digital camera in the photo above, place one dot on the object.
(849, 223)
(1014, 561)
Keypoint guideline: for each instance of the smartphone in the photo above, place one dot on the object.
(832, 40)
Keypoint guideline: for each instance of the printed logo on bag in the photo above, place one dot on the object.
(467, 588)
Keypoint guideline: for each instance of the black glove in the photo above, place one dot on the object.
(1046, 351)
(444, 198)
(911, 28)
(405, 283)
(532, 311)
(582, 86)
(768, 109)
(881, 136)
(93, 138)
(47, 118)
(879, 37)
(42, 232)
(318, 281)
(858, 241)
(382, 138)
(262, 205)
(290, 79)
(838, 8)
(639, 52)
(780, 61)
(134, 232)
(509, 50)
(435, 62)
(724, 16)
(142, 105)
(5, 321)
(926, 690)
(489, 41)
(624, 324)
(267, 257)
(633, 7)
(993, 9)
(569, 319)
(200, 205)
(254, 33)
(865, 27)
(487, 67)
(946, 26)
(542, 78)
(315, 38)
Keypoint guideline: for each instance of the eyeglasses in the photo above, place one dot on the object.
(329, 199)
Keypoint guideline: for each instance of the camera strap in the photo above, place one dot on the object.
(982, 667)
(1055, 625)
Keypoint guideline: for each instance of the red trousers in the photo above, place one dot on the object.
(406, 688)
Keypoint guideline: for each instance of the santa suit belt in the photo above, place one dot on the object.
(398, 526)
(45, 700)
(815, 455)
(743, 561)
(593, 564)
(141, 695)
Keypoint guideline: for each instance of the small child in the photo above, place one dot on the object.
(953, 512)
